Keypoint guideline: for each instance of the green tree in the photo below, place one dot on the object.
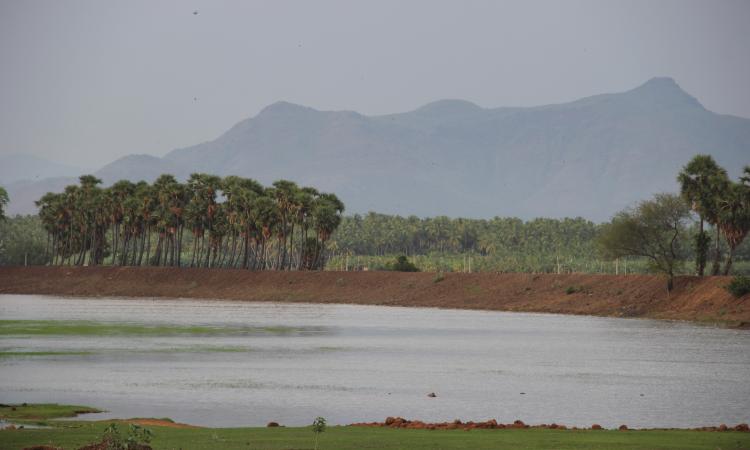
(318, 426)
(402, 264)
(652, 230)
(3, 202)
(734, 215)
(232, 221)
(702, 184)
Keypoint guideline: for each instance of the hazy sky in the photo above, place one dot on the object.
(85, 82)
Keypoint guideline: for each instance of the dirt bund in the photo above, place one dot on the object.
(492, 424)
(695, 299)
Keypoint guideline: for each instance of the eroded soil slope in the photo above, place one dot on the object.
(698, 299)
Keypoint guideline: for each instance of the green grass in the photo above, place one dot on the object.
(87, 328)
(77, 434)
(71, 435)
(42, 411)
(190, 349)
(11, 354)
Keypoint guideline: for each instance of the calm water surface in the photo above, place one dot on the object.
(363, 363)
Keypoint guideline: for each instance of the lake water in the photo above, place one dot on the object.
(223, 363)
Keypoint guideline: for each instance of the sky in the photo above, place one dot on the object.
(86, 82)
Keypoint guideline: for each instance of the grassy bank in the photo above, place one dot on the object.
(698, 299)
(72, 435)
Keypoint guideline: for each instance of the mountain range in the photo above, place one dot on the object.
(589, 158)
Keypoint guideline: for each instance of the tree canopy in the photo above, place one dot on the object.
(3, 202)
(652, 230)
(231, 222)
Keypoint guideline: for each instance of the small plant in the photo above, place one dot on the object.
(572, 290)
(440, 276)
(739, 286)
(402, 264)
(318, 426)
(136, 438)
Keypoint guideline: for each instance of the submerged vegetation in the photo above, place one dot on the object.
(233, 222)
(86, 328)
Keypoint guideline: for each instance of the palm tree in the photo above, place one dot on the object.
(3, 202)
(734, 215)
(326, 213)
(233, 233)
(702, 183)
(284, 193)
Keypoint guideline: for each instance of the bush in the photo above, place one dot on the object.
(402, 264)
(739, 286)
(137, 438)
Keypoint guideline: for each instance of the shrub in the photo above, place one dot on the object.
(318, 426)
(739, 286)
(402, 264)
(137, 438)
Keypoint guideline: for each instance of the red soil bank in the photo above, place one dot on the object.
(696, 299)
(492, 424)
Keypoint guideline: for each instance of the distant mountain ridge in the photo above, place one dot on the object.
(590, 157)
(17, 167)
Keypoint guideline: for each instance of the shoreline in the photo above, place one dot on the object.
(29, 413)
(696, 299)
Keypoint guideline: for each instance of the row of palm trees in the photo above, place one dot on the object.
(722, 203)
(207, 221)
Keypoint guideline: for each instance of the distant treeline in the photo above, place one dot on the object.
(374, 240)
(498, 245)
(235, 222)
(206, 222)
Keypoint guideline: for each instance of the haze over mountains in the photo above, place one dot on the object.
(589, 158)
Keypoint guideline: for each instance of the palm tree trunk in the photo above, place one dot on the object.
(195, 250)
(180, 233)
(114, 242)
(717, 255)
(728, 263)
(246, 249)
(157, 250)
(234, 250)
(703, 249)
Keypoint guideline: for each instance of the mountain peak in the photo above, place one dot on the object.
(660, 83)
(450, 106)
(284, 108)
(665, 91)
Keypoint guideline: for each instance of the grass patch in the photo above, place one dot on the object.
(190, 349)
(42, 411)
(197, 349)
(76, 434)
(337, 438)
(8, 354)
(87, 328)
